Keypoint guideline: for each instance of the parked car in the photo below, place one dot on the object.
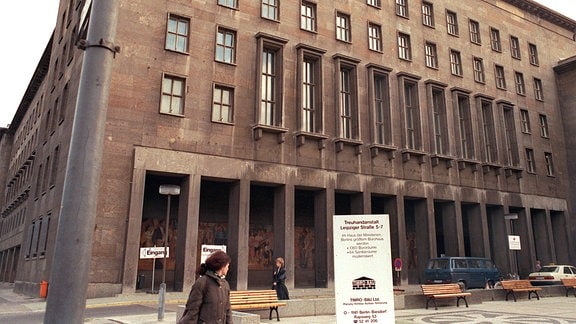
(552, 274)
(471, 272)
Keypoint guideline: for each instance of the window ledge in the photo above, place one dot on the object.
(259, 130)
(435, 159)
(513, 170)
(340, 142)
(389, 150)
(474, 165)
(486, 167)
(301, 137)
(408, 154)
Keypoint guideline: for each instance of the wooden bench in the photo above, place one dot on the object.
(514, 286)
(255, 299)
(569, 283)
(434, 291)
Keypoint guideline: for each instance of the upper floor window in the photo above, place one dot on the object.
(500, 77)
(488, 131)
(479, 70)
(228, 3)
(544, 126)
(495, 39)
(172, 95)
(427, 14)
(525, 121)
(530, 163)
(310, 89)
(549, 164)
(177, 34)
(374, 3)
(226, 46)
(465, 126)
(452, 22)
(271, 9)
(347, 99)
(455, 63)
(222, 104)
(440, 142)
(474, 27)
(431, 55)
(270, 80)
(515, 47)
(538, 90)
(533, 53)
(520, 86)
(380, 99)
(404, 47)
(510, 139)
(402, 8)
(308, 16)
(374, 37)
(343, 27)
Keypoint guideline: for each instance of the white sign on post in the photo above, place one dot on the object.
(514, 242)
(155, 252)
(209, 249)
(363, 269)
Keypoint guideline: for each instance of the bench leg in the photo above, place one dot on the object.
(568, 290)
(434, 300)
(277, 316)
(510, 292)
(458, 301)
(535, 293)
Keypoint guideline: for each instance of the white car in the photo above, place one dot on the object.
(552, 274)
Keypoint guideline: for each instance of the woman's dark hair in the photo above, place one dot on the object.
(214, 262)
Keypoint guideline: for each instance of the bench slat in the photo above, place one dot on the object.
(434, 291)
(512, 286)
(255, 299)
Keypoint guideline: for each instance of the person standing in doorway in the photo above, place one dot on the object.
(538, 266)
(209, 299)
(279, 276)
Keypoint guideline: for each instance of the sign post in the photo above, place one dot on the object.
(362, 269)
(153, 253)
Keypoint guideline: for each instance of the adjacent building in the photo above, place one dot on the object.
(456, 118)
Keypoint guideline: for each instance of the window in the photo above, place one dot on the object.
(479, 70)
(270, 80)
(465, 126)
(381, 107)
(549, 164)
(431, 55)
(474, 27)
(488, 131)
(510, 139)
(172, 95)
(538, 90)
(343, 27)
(308, 16)
(44, 223)
(495, 39)
(533, 53)
(411, 111)
(500, 78)
(525, 121)
(544, 126)
(55, 162)
(452, 23)
(310, 94)
(455, 63)
(347, 99)
(439, 121)
(177, 34)
(375, 37)
(427, 14)
(222, 104)
(374, 3)
(404, 50)
(226, 46)
(270, 9)
(228, 3)
(402, 8)
(515, 47)
(530, 164)
(519, 80)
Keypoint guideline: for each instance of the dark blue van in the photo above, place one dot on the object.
(471, 272)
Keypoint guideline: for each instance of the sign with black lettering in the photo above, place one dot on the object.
(155, 252)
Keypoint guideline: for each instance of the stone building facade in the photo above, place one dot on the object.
(272, 116)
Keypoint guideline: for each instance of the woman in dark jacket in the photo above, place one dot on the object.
(279, 283)
(209, 299)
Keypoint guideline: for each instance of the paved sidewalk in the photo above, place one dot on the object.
(558, 309)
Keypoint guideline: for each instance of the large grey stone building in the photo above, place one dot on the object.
(274, 115)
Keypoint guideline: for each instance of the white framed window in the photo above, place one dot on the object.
(452, 23)
(525, 121)
(549, 164)
(226, 45)
(431, 55)
(474, 27)
(228, 3)
(343, 32)
(427, 14)
(533, 53)
(479, 70)
(402, 8)
(538, 90)
(404, 47)
(374, 3)
(222, 104)
(520, 86)
(515, 47)
(271, 9)
(495, 40)
(308, 16)
(177, 33)
(544, 132)
(500, 77)
(455, 63)
(375, 37)
(172, 95)
(530, 163)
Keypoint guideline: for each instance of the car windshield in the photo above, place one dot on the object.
(549, 269)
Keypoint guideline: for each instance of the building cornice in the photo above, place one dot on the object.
(545, 13)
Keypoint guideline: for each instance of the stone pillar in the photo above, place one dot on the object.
(238, 233)
(187, 242)
(284, 228)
